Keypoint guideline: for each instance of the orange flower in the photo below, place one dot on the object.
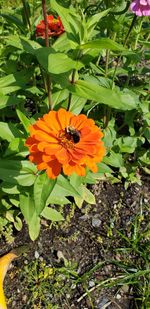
(63, 141)
(55, 27)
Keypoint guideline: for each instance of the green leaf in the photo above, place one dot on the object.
(58, 199)
(29, 45)
(17, 172)
(110, 134)
(52, 214)
(9, 216)
(16, 146)
(144, 156)
(18, 224)
(10, 189)
(145, 43)
(13, 40)
(64, 183)
(103, 43)
(43, 186)
(147, 133)
(86, 195)
(16, 79)
(10, 89)
(14, 201)
(62, 44)
(27, 205)
(114, 159)
(70, 20)
(23, 43)
(93, 20)
(53, 62)
(24, 120)
(14, 20)
(59, 63)
(127, 144)
(59, 96)
(76, 180)
(34, 227)
(8, 131)
(9, 100)
(77, 104)
(103, 168)
(113, 98)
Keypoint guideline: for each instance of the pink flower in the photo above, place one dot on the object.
(140, 7)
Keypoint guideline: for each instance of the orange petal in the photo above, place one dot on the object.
(78, 122)
(53, 169)
(64, 118)
(52, 148)
(68, 169)
(52, 121)
(42, 136)
(62, 156)
(42, 125)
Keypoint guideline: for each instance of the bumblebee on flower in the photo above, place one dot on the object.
(61, 141)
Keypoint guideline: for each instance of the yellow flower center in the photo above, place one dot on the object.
(66, 140)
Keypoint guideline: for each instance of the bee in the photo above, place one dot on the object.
(73, 133)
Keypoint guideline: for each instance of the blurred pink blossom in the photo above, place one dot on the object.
(140, 7)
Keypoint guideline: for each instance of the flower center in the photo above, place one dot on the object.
(69, 137)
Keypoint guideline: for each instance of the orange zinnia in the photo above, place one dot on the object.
(63, 141)
(55, 27)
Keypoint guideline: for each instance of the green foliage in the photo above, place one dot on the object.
(94, 69)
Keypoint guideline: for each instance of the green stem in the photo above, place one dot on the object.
(73, 79)
(47, 45)
(26, 14)
(138, 35)
(125, 42)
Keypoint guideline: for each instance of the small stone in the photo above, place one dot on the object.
(24, 298)
(103, 302)
(118, 296)
(36, 254)
(84, 217)
(91, 283)
(68, 295)
(96, 222)
(26, 262)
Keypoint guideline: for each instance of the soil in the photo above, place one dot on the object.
(88, 237)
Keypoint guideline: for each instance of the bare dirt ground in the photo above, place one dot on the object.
(77, 249)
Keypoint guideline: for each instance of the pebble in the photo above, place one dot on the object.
(84, 217)
(68, 295)
(91, 283)
(36, 254)
(102, 303)
(118, 296)
(96, 222)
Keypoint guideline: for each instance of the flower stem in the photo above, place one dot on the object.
(125, 42)
(47, 45)
(79, 54)
(138, 35)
